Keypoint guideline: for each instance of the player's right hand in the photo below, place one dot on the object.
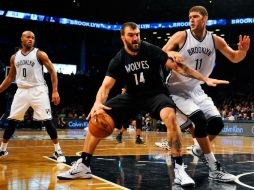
(97, 108)
(55, 98)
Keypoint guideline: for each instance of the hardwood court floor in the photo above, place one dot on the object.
(118, 166)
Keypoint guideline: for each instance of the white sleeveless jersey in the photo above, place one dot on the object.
(198, 55)
(29, 71)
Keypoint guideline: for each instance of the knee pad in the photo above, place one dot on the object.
(50, 126)
(10, 129)
(200, 123)
(215, 125)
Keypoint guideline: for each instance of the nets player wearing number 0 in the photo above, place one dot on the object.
(26, 68)
(139, 65)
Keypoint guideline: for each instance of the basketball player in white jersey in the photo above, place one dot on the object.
(196, 48)
(26, 66)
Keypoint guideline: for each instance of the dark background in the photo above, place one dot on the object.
(63, 43)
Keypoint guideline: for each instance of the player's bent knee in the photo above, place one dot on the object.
(167, 113)
(169, 119)
(200, 123)
(215, 125)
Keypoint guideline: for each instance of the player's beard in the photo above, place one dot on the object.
(134, 46)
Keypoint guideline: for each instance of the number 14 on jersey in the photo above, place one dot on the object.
(139, 78)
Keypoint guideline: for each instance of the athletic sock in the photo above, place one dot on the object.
(177, 160)
(3, 146)
(57, 147)
(86, 158)
(211, 160)
(195, 142)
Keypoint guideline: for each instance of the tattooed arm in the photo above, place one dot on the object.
(186, 71)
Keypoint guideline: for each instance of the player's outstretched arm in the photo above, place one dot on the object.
(185, 70)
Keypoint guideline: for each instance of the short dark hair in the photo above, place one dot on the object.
(132, 25)
(202, 10)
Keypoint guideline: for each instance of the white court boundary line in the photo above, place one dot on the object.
(243, 184)
(94, 176)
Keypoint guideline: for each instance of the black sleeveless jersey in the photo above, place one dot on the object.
(142, 73)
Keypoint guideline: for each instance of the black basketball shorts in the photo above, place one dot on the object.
(125, 106)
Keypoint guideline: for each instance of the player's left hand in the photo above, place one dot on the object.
(55, 98)
(215, 82)
(244, 43)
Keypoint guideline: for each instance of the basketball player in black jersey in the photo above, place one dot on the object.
(138, 64)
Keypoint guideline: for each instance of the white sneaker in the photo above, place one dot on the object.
(196, 151)
(189, 147)
(77, 171)
(176, 187)
(3, 153)
(60, 158)
(220, 175)
(181, 177)
(163, 144)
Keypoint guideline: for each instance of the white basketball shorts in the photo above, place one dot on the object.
(191, 102)
(36, 97)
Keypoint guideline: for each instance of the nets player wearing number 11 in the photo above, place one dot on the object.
(197, 48)
(26, 68)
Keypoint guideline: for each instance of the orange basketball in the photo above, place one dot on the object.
(101, 125)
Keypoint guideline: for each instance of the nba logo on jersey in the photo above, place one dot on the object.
(48, 111)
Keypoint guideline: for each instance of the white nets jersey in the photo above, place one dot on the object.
(199, 55)
(29, 71)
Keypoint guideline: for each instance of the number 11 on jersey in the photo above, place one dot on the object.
(139, 78)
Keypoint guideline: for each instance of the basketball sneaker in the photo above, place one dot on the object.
(196, 151)
(119, 138)
(3, 153)
(181, 177)
(77, 171)
(190, 147)
(163, 144)
(58, 155)
(139, 141)
(219, 174)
